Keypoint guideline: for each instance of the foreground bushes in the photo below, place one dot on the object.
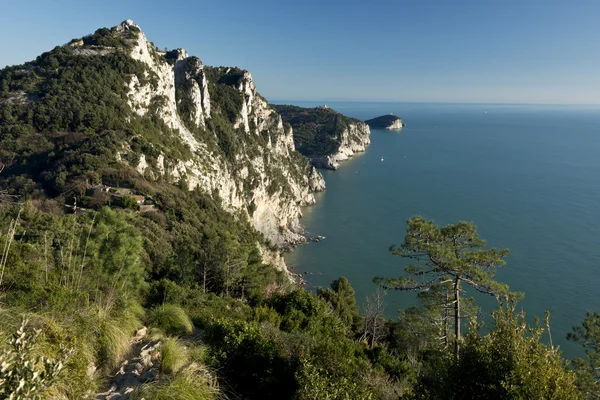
(24, 375)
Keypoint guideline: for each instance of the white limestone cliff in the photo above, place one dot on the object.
(274, 207)
(396, 125)
(354, 139)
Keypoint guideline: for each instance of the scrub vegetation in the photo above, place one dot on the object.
(83, 269)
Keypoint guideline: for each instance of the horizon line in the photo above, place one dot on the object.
(275, 100)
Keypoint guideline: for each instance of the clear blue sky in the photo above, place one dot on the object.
(521, 51)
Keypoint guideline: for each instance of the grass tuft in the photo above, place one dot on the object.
(115, 335)
(184, 386)
(172, 320)
(197, 354)
(172, 356)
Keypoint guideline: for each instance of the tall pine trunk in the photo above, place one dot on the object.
(446, 318)
(456, 317)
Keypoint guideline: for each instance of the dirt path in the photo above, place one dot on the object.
(139, 367)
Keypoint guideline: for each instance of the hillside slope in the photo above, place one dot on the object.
(111, 109)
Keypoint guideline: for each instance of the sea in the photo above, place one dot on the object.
(528, 176)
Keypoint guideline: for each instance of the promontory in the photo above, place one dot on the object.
(324, 135)
(389, 122)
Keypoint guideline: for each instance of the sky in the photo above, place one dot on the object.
(492, 51)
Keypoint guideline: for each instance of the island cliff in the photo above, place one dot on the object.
(324, 135)
(389, 122)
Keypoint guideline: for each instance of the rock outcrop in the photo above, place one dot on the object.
(325, 136)
(278, 185)
(353, 139)
(389, 122)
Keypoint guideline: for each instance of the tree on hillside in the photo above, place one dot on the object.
(452, 255)
(341, 298)
(588, 370)
(373, 308)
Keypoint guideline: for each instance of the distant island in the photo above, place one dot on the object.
(389, 122)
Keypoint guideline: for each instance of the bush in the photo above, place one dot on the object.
(24, 375)
(249, 359)
(129, 202)
(172, 320)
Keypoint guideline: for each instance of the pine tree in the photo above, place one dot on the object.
(452, 255)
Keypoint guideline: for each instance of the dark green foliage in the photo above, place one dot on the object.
(111, 38)
(206, 245)
(129, 202)
(302, 311)
(73, 121)
(318, 383)
(446, 258)
(588, 371)
(341, 298)
(317, 131)
(291, 346)
(243, 350)
(507, 363)
(382, 122)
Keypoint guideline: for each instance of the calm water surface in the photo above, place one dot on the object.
(528, 176)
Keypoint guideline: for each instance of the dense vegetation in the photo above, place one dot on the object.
(86, 282)
(77, 283)
(382, 122)
(317, 131)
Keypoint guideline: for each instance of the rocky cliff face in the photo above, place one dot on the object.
(110, 109)
(325, 136)
(354, 139)
(263, 179)
(397, 124)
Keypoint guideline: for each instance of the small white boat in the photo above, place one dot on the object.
(381, 158)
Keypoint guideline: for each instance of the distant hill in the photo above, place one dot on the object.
(324, 135)
(389, 122)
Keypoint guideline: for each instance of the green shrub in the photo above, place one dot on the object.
(172, 320)
(315, 382)
(23, 374)
(129, 202)
(249, 359)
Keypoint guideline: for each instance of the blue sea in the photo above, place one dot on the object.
(527, 175)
